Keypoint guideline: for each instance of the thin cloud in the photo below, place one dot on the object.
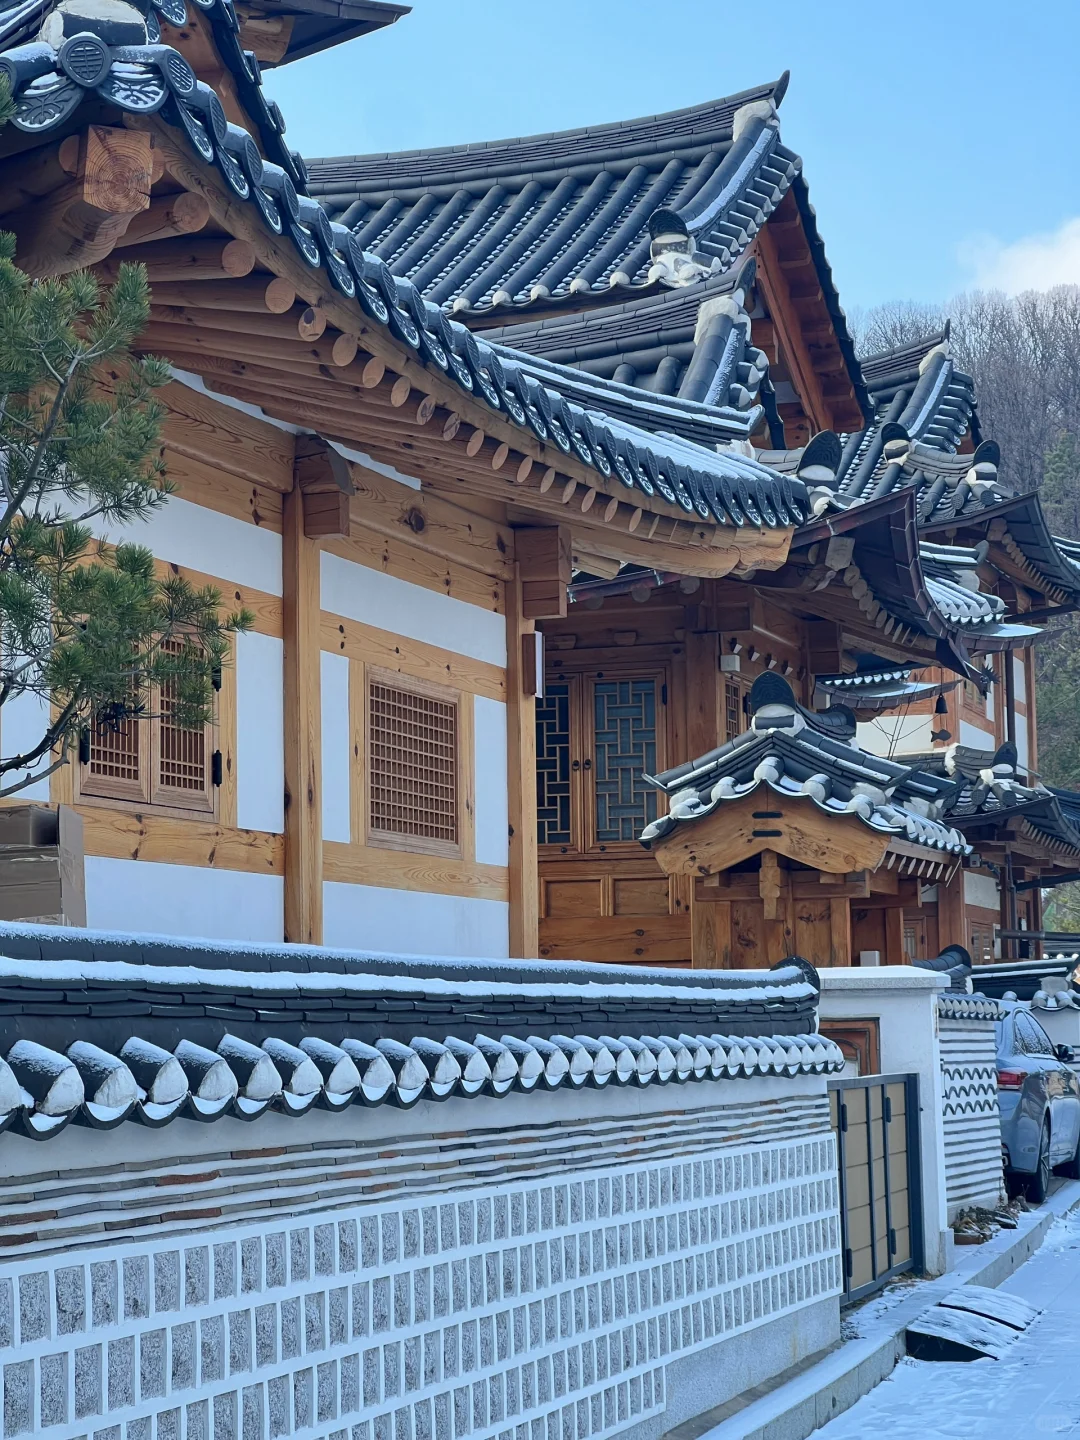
(1034, 262)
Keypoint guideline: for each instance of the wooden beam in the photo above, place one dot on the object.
(37, 173)
(544, 557)
(324, 479)
(301, 615)
(703, 713)
(952, 926)
(80, 222)
(521, 781)
(266, 36)
(163, 219)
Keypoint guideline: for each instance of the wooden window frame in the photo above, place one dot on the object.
(148, 793)
(420, 844)
(582, 682)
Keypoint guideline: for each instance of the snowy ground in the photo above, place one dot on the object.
(1033, 1392)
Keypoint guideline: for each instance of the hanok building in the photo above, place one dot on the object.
(530, 458)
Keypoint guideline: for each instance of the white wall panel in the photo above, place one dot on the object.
(981, 890)
(144, 896)
(492, 801)
(895, 734)
(367, 595)
(336, 748)
(1022, 751)
(23, 722)
(260, 735)
(976, 736)
(409, 922)
(206, 540)
(1020, 678)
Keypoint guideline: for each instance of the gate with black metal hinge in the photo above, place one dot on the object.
(876, 1122)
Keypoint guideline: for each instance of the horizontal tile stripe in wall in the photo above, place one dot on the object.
(142, 835)
(45, 1212)
(402, 560)
(359, 641)
(409, 871)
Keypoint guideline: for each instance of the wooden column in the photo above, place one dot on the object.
(521, 777)
(710, 920)
(894, 935)
(952, 920)
(303, 727)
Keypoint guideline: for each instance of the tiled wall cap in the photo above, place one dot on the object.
(42, 1090)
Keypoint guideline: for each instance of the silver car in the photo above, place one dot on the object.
(1039, 1099)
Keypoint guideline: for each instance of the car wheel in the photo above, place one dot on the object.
(1071, 1168)
(1039, 1184)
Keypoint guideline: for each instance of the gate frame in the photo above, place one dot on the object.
(914, 1178)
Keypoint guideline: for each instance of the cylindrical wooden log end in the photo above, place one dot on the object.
(524, 470)
(343, 351)
(280, 295)
(399, 395)
(475, 442)
(371, 376)
(311, 324)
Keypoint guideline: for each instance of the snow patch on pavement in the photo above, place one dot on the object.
(1033, 1391)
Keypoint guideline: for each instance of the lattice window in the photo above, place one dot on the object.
(147, 759)
(733, 716)
(116, 765)
(181, 753)
(553, 765)
(624, 739)
(413, 784)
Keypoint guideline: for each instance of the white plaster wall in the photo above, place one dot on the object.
(904, 1001)
(492, 811)
(23, 722)
(981, 890)
(412, 922)
(895, 734)
(1023, 753)
(336, 748)
(204, 539)
(143, 895)
(373, 598)
(976, 736)
(260, 733)
(1020, 678)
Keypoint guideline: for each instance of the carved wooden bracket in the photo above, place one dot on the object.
(544, 556)
(326, 482)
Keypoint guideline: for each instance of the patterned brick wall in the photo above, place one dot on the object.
(973, 1174)
(539, 1307)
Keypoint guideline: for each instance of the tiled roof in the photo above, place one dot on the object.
(103, 1041)
(512, 222)
(790, 750)
(50, 78)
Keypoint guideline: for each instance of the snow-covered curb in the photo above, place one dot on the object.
(795, 1409)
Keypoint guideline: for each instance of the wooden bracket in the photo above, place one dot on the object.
(80, 222)
(325, 479)
(544, 556)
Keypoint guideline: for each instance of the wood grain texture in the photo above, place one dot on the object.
(400, 558)
(403, 870)
(204, 483)
(410, 657)
(521, 783)
(142, 835)
(303, 728)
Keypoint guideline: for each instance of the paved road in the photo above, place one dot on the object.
(1032, 1393)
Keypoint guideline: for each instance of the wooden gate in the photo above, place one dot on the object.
(876, 1122)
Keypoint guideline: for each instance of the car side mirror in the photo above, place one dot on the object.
(1064, 1053)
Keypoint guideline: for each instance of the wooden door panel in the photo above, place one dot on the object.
(656, 940)
(564, 899)
(642, 897)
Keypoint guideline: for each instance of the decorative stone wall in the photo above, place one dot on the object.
(973, 1172)
(534, 1281)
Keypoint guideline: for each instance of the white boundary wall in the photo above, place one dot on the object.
(541, 1267)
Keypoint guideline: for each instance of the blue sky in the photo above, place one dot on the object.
(939, 139)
